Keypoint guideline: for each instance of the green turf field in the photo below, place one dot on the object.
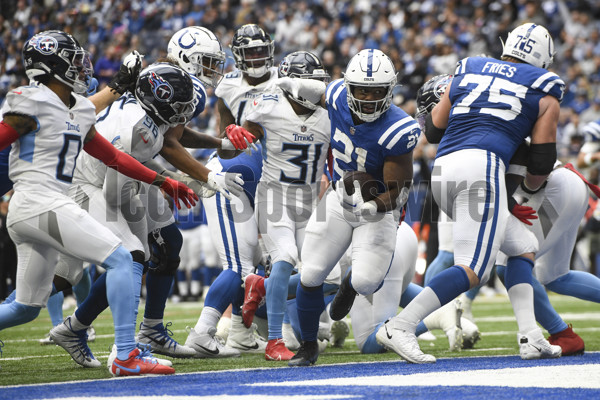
(26, 361)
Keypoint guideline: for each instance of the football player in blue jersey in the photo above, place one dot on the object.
(490, 107)
(369, 134)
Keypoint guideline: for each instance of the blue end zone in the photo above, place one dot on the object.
(268, 382)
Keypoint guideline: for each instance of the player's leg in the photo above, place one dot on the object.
(327, 236)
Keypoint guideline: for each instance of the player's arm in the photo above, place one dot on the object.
(97, 146)
(174, 152)
(226, 119)
(436, 122)
(238, 137)
(13, 126)
(542, 151)
(197, 140)
(588, 155)
(397, 177)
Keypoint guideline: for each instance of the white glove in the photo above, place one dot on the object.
(226, 182)
(355, 202)
(202, 189)
(309, 89)
(227, 145)
(133, 61)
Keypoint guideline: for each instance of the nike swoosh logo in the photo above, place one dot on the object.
(387, 334)
(15, 92)
(249, 347)
(537, 348)
(350, 204)
(213, 352)
(135, 371)
(143, 140)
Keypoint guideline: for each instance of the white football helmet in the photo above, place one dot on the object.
(199, 52)
(530, 43)
(370, 68)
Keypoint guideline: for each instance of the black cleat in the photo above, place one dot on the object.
(307, 354)
(343, 300)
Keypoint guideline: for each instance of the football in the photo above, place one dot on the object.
(368, 184)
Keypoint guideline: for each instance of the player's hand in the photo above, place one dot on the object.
(179, 191)
(523, 213)
(92, 86)
(129, 71)
(362, 207)
(227, 183)
(200, 188)
(240, 137)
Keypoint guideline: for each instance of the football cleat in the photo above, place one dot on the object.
(448, 318)
(343, 300)
(144, 348)
(289, 337)
(139, 363)
(403, 343)
(306, 355)
(207, 345)
(75, 343)
(91, 334)
(254, 297)
(571, 343)
(339, 332)
(470, 333)
(276, 351)
(159, 337)
(244, 339)
(533, 346)
(46, 340)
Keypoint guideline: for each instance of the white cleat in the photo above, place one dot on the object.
(339, 332)
(289, 337)
(402, 343)
(448, 318)
(470, 333)
(245, 339)
(208, 346)
(75, 343)
(534, 346)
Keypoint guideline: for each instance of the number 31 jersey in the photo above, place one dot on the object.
(495, 104)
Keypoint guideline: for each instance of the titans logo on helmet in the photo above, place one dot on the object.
(161, 89)
(441, 86)
(45, 44)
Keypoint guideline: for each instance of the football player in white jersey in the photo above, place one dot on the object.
(479, 129)
(52, 122)
(235, 234)
(369, 134)
(295, 136)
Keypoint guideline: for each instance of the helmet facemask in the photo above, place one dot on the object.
(255, 58)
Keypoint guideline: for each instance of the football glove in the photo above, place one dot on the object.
(200, 188)
(127, 76)
(179, 191)
(523, 213)
(227, 183)
(240, 138)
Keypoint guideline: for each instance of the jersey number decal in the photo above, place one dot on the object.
(301, 161)
(497, 89)
(349, 150)
(67, 156)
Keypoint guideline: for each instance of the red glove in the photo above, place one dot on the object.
(179, 191)
(523, 213)
(239, 137)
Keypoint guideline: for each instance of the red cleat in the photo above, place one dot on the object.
(276, 351)
(570, 342)
(139, 363)
(254, 297)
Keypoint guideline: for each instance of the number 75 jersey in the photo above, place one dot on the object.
(495, 104)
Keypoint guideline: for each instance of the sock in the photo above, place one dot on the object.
(580, 284)
(450, 283)
(517, 280)
(54, 306)
(224, 290)
(472, 293)
(15, 313)
(277, 288)
(157, 288)
(421, 328)
(441, 262)
(138, 273)
(95, 302)
(310, 305)
(11, 297)
(182, 283)
(412, 290)
(151, 323)
(371, 346)
(76, 324)
(423, 305)
(209, 318)
(120, 294)
(545, 314)
(82, 289)
(292, 316)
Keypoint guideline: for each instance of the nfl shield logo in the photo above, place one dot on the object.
(303, 128)
(352, 130)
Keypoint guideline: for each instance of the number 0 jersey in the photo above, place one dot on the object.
(364, 147)
(43, 160)
(504, 97)
(294, 149)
